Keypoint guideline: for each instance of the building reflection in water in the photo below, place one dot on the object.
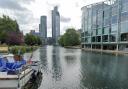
(104, 71)
(56, 64)
(43, 58)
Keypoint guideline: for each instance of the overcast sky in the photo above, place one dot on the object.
(28, 12)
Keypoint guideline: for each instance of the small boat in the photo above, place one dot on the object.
(15, 75)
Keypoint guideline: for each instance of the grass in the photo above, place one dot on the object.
(22, 49)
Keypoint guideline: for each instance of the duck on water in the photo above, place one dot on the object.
(16, 72)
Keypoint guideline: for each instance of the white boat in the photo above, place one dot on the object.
(15, 81)
(20, 78)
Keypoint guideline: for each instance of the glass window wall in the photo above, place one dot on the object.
(113, 38)
(89, 32)
(106, 30)
(105, 38)
(86, 33)
(107, 12)
(114, 9)
(86, 40)
(124, 1)
(98, 39)
(93, 39)
(94, 32)
(125, 7)
(82, 34)
(94, 22)
(106, 15)
(124, 16)
(114, 28)
(124, 27)
(89, 39)
(82, 39)
(114, 19)
(99, 19)
(94, 17)
(99, 31)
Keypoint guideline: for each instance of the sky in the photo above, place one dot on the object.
(28, 12)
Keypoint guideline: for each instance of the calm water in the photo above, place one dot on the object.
(75, 69)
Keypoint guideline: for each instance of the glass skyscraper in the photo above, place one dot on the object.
(105, 25)
(43, 28)
(55, 25)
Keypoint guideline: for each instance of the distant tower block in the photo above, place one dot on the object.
(55, 25)
(43, 28)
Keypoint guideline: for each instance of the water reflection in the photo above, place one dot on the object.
(43, 58)
(62, 70)
(76, 69)
(56, 65)
(104, 71)
(70, 57)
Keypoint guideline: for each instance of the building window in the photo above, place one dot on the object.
(82, 39)
(86, 33)
(113, 38)
(94, 17)
(93, 39)
(107, 12)
(124, 37)
(94, 32)
(106, 16)
(106, 21)
(124, 27)
(114, 28)
(125, 7)
(86, 40)
(94, 25)
(98, 39)
(105, 38)
(124, 1)
(89, 32)
(106, 30)
(124, 16)
(115, 10)
(89, 39)
(114, 19)
(99, 31)
(82, 34)
(89, 16)
(99, 20)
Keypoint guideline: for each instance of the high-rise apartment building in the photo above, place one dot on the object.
(105, 25)
(55, 25)
(43, 28)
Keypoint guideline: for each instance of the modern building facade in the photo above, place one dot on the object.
(43, 28)
(33, 32)
(105, 25)
(55, 25)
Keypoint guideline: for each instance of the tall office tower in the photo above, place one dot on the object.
(55, 25)
(43, 28)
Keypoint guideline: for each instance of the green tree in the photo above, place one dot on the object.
(39, 42)
(70, 38)
(61, 40)
(32, 40)
(7, 25)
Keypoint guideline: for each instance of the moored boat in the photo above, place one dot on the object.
(15, 75)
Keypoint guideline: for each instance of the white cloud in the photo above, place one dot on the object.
(28, 12)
